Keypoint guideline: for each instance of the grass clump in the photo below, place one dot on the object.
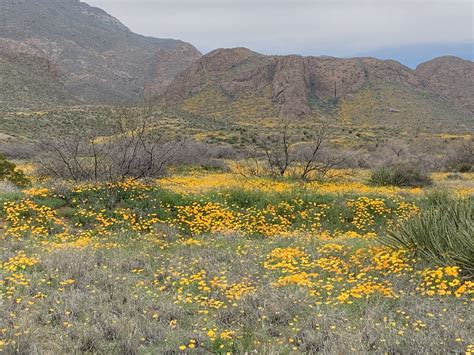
(400, 175)
(443, 234)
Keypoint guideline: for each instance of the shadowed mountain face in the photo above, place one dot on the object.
(293, 86)
(97, 59)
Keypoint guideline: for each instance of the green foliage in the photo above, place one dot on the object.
(403, 175)
(443, 234)
(436, 199)
(9, 172)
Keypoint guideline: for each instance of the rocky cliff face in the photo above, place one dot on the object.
(99, 59)
(295, 80)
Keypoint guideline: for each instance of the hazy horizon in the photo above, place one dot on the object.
(408, 31)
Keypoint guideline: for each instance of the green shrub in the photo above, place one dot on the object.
(436, 199)
(400, 175)
(9, 172)
(443, 234)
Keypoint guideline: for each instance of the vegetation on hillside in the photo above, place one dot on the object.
(252, 203)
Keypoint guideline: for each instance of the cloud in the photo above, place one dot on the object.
(335, 27)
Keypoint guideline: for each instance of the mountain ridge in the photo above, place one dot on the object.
(100, 60)
(292, 81)
(61, 52)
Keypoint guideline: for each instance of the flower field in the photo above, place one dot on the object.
(219, 263)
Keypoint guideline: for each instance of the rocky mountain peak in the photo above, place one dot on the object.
(295, 80)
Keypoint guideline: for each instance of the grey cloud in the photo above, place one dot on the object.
(299, 26)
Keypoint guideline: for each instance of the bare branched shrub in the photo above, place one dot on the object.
(284, 153)
(314, 159)
(17, 149)
(131, 148)
(194, 153)
(278, 150)
(252, 165)
(427, 154)
(461, 157)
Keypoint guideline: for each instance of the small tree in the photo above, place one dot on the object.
(9, 172)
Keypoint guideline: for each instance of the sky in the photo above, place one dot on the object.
(410, 31)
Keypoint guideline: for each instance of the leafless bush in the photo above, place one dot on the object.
(252, 165)
(282, 153)
(427, 154)
(315, 160)
(461, 157)
(190, 152)
(17, 150)
(132, 148)
(278, 150)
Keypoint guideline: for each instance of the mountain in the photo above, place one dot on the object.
(239, 84)
(97, 59)
(451, 77)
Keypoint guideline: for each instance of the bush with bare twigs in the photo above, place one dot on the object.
(284, 154)
(131, 148)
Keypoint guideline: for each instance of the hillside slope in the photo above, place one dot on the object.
(26, 77)
(240, 84)
(451, 77)
(98, 59)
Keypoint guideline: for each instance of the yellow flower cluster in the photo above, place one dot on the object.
(14, 273)
(206, 292)
(298, 278)
(205, 254)
(207, 218)
(79, 243)
(19, 262)
(126, 185)
(390, 261)
(286, 260)
(25, 217)
(365, 290)
(238, 290)
(198, 182)
(37, 192)
(367, 210)
(341, 274)
(444, 281)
